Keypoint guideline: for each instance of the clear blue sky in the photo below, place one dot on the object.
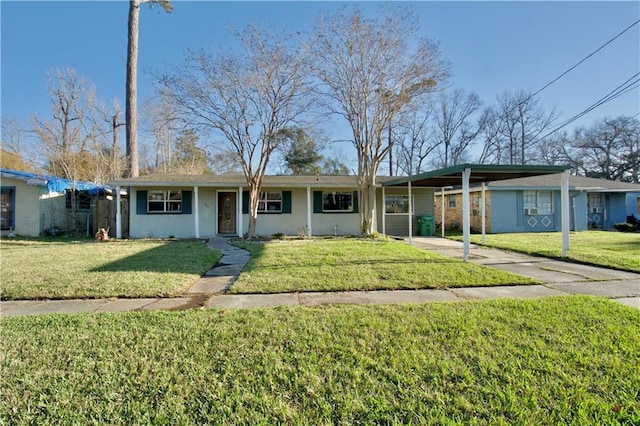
(492, 46)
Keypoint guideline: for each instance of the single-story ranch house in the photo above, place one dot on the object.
(532, 204)
(203, 206)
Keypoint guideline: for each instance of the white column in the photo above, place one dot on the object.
(239, 214)
(442, 214)
(482, 212)
(309, 231)
(564, 195)
(384, 214)
(466, 217)
(195, 212)
(410, 215)
(119, 212)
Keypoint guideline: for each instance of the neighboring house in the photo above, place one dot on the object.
(33, 204)
(202, 206)
(532, 204)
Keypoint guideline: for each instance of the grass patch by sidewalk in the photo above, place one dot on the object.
(568, 360)
(617, 250)
(344, 264)
(65, 269)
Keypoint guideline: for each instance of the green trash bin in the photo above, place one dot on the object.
(425, 226)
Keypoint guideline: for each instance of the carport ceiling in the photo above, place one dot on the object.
(451, 176)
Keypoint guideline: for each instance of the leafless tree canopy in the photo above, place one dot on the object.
(370, 71)
(514, 127)
(247, 99)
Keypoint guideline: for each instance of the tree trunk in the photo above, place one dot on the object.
(132, 90)
(254, 198)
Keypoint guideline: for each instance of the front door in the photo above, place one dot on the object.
(227, 213)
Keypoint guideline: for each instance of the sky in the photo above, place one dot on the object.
(492, 46)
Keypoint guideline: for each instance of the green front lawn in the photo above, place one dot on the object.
(617, 250)
(63, 269)
(568, 360)
(344, 264)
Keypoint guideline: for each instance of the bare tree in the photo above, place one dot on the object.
(370, 72)
(248, 99)
(65, 138)
(414, 141)
(515, 125)
(610, 149)
(132, 82)
(160, 121)
(103, 128)
(454, 129)
(16, 150)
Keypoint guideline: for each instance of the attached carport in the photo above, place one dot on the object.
(468, 174)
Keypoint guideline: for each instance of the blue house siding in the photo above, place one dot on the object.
(503, 216)
(616, 207)
(578, 215)
(508, 213)
(632, 203)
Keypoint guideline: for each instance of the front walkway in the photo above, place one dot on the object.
(559, 279)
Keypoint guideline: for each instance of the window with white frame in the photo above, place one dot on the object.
(270, 202)
(337, 201)
(164, 202)
(452, 201)
(594, 202)
(398, 204)
(538, 202)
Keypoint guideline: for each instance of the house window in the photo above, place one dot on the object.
(270, 202)
(7, 208)
(397, 204)
(538, 202)
(164, 202)
(81, 199)
(337, 201)
(594, 203)
(452, 201)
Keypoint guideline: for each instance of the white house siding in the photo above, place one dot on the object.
(26, 209)
(158, 225)
(296, 221)
(35, 209)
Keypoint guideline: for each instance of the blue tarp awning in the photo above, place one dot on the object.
(54, 183)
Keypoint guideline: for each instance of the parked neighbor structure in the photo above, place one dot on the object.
(34, 205)
(202, 206)
(532, 204)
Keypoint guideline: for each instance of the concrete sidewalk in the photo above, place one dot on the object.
(558, 278)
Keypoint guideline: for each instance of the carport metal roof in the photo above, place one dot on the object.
(466, 174)
(479, 173)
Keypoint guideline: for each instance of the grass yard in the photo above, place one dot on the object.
(63, 269)
(343, 264)
(567, 360)
(619, 250)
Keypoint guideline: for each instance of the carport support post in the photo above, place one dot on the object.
(239, 209)
(384, 213)
(466, 217)
(118, 214)
(442, 213)
(309, 232)
(482, 212)
(410, 214)
(564, 194)
(195, 212)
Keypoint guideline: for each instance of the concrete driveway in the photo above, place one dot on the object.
(567, 277)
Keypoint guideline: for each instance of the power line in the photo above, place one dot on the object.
(630, 84)
(583, 59)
